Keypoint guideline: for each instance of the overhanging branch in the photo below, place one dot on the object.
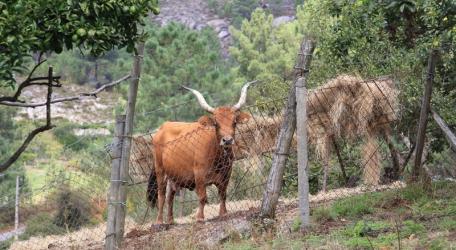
(66, 99)
(4, 166)
(29, 81)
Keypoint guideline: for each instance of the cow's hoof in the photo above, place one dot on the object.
(200, 220)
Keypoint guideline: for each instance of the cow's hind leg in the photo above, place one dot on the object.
(171, 191)
(161, 182)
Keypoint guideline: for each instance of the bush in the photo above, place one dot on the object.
(355, 206)
(41, 224)
(323, 214)
(65, 135)
(73, 209)
(5, 245)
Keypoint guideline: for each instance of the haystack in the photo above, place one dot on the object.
(352, 108)
(141, 158)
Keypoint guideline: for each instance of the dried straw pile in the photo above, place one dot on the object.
(141, 158)
(352, 108)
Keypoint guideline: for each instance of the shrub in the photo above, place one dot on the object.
(41, 224)
(65, 135)
(354, 206)
(73, 209)
(4, 245)
(323, 214)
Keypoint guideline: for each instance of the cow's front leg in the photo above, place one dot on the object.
(202, 196)
(222, 195)
(161, 183)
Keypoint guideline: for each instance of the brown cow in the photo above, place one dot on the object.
(196, 155)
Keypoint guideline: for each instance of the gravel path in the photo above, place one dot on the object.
(10, 234)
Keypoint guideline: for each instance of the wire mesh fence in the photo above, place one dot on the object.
(350, 123)
(353, 144)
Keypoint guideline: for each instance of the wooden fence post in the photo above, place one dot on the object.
(425, 107)
(116, 153)
(301, 134)
(16, 210)
(126, 145)
(280, 157)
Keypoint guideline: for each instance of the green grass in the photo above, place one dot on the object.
(373, 220)
(36, 177)
(449, 225)
(323, 214)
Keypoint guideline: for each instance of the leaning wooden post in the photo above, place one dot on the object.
(301, 134)
(113, 203)
(451, 138)
(425, 107)
(274, 183)
(126, 145)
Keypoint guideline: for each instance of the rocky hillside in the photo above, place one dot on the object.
(196, 14)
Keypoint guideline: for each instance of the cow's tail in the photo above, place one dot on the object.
(152, 189)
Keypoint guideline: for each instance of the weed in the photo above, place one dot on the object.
(354, 206)
(41, 225)
(314, 240)
(4, 245)
(411, 227)
(414, 193)
(244, 245)
(323, 215)
(296, 225)
(447, 224)
(438, 244)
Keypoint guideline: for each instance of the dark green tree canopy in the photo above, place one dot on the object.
(50, 26)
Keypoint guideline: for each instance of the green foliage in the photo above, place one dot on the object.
(64, 133)
(365, 38)
(98, 26)
(73, 209)
(41, 224)
(296, 225)
(411, 227)
(265, 53)
(5, 245)
(236, 10)
(323, 214)
(8, 143)
(81, 67)
(354, 206)
(175, 56)
(449, 225)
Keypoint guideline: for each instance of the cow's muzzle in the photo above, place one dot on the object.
(227, 141)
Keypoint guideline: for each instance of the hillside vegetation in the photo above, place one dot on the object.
(68, 167)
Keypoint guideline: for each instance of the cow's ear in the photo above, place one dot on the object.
(242, 118)
(206, 120)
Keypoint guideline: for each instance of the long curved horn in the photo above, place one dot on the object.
(201, 99)
(243, 97)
